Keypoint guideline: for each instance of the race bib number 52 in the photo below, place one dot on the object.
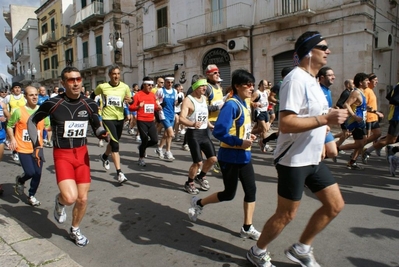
(75, 129)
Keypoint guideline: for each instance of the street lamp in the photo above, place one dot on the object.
(115, 40)
(31, 72)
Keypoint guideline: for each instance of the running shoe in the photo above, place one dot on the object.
(19, 188)
(183, 131)
(365, 156)
(80, 240)
(304, 259)
(33, 201)
(195, 210)
(159, 153)
(216, 167)
(106, 164)
(190, 188)
(392, 165)
(59, 211)
(268, 148)
(185, 147)
(15, 156)
(130, 131)
(203, 182)
(388, 152)
(121, 178)
(169, 156)
(341, 152)
(262, 260)
(138, 138)
(261, 145)
(141, 163)
(101, 143)
(251, 233)
(354, 166)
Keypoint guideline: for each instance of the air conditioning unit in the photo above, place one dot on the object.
(384, 41)
(237, 44)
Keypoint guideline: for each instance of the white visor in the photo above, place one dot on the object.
(148, 82)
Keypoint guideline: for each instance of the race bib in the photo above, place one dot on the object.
(148, 108)
(75, 129)
(26, 137)
(201, 117)
(326, 109)
(114, 101)
(247, 131)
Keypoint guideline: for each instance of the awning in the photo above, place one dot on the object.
(163, 73)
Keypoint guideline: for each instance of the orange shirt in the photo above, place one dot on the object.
(371, 100)
(24, 144)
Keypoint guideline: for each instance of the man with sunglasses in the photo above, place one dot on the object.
(115, 93)
(70, 114)
(303, 118)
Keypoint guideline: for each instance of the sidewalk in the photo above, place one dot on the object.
(21, 246)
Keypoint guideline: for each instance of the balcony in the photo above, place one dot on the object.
(91, 63)
(49, 39)
(157, 40)
(91, 15)
(22, 54)
(286, 10)
(8, 34)
(213, 23)
(20, 78)
(9, 51)
(51, 74)
(7, 15)
(11, 69)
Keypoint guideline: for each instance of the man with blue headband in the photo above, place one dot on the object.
(304, 115)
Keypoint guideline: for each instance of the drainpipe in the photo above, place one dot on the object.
(373, 38)
(251, 37)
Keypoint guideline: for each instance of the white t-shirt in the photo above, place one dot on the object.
(301, 93)
(178, 107)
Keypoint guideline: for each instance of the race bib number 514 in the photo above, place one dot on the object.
(75, 129)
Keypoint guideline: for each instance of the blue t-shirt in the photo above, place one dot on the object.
(168, 105)
(42, 98)
(327, 93)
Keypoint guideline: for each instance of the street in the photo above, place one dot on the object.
(144, 222)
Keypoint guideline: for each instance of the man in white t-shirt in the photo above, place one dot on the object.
(303, 118)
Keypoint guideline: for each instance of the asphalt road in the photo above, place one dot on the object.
(145, 222)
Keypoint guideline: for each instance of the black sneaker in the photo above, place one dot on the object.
(353, 166)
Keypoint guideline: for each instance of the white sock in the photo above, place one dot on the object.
(258, 251)
(74, 229)
(302, 248)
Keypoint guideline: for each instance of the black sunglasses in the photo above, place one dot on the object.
(321, 47)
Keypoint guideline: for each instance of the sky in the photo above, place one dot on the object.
(4, 59)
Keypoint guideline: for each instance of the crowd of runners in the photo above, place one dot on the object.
(217, 126)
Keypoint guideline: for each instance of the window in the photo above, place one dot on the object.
(162, 25)
(217, 12)
(85, 50)
(54, 62)
(291, 6)
(99, 50)
(84, 3)
(52, 22)
(44, 28)
(68, 57)
(46, 64)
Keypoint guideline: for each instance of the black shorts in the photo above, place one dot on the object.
(372, 125)
(393, 128)
(270, 112)
(343, 126)
(262, 116)
(359, 133)
(292, 180)
(198, 140)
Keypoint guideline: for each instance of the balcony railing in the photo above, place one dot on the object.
(7, 14)
(48, 37)
(21, 54)
(94, 9)
(8, 34)
(93, 61)
(9, 51)
(50, 74)
(230, 17)
(156, 38)
(284, 10)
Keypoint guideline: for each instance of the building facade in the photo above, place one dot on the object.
(181, 37)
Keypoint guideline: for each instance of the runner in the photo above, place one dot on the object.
(70, 114)
(115, 93)
(4, 116)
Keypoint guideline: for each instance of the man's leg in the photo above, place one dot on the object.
(79, 209)
(332, 204)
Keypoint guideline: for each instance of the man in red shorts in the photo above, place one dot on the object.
(70, 114)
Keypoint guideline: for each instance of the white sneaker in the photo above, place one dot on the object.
(159, 153)
(101, 143)
(59, 211)
(186, 148)
(106, 164)
(138, 138)
(168, 156)
(195, 210)
(251, 233)
(121, 178)
(15, 157)
(141, 163)
(183, 132)
(33, 201)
